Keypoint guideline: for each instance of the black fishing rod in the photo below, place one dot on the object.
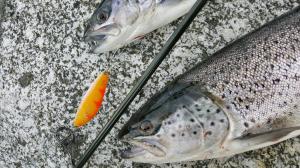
(143, 80)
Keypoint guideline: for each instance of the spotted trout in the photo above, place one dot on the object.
(244, 97)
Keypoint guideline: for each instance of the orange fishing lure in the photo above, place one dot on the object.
(92, 100)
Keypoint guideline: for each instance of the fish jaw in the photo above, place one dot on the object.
(152, 151)
(144, 147)
(109, 42)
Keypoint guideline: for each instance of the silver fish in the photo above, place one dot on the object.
(119, 22)
(244, 97)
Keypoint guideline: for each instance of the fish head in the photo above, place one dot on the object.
(111, 24)
(167, 128)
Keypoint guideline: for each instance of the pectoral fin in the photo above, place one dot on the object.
(255, 141)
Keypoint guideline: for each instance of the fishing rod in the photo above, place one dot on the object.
(188, 19)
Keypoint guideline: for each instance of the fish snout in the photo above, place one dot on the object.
(101, 32)
(91, 35)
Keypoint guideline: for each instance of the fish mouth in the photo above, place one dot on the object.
(97, 38)
(141, 147)
(102, 32)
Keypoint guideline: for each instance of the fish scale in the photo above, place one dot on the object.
(258, 76)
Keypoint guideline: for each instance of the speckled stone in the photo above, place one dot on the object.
(2, 8)
(45, 67)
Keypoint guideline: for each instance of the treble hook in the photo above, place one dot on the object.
(68, 141)
(65, 136)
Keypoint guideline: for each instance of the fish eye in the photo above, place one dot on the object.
(102, 16)
(146, 126)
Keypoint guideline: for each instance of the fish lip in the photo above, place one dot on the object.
(90, 36)
(142, 146)
(100, 34)
(132, 152)
(99, 38)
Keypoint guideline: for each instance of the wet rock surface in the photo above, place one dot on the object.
(45, 67)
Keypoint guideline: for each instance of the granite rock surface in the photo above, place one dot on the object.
(45, 67)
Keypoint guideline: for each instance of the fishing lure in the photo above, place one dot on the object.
(92, 100)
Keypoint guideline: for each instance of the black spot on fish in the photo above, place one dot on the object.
(195, 132)
(182, 134)
(198, 109)
(218, 111)
(207, 133)
(192, 120)
(173, 135)
(276, 81)
(246, 124)
(178, 115)
(222, 120)
(240, 99)
(212, 123)
(169, 122)
(285, 76)
(208, 110)
(275, 42)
